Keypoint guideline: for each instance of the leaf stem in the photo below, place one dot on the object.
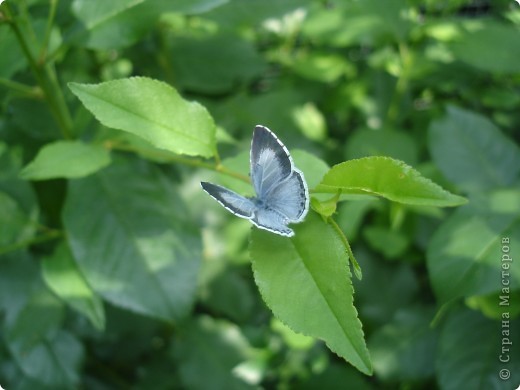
(355, 264)
(400, 86)
(170, 157)
(48, 29)
(45, 76)
(51, 235)
(22, 89)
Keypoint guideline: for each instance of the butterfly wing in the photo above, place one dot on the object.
(276, 181)
(273, 221)
(290, 197)
(233, 202)
(270, 161)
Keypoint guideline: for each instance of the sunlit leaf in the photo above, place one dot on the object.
(152, 110)
(66, 159)
(306, 282)
(388, 178)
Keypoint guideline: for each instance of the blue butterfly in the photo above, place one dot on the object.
(282, 196)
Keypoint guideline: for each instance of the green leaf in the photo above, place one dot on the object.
(190, 57)
(312, 167)
(291, 338)
(32, 331)
(19, 278)
(388, 178)
(487, 304)
(397, 287)
(111, 24)
(129, 234)
(323, 67)
(468, 358)
(214, 348)
(464, 254)
(477, 46)
(306, 282)
(404, 348)
(472, 152)
(18, 205)
(390, 243)
(15, 225)
(223, 289)
(66, 159)
(12, 59)
(234, 14)
(55, 361)
(152, 110)
(332, 375)
(63, 277)
(190, 6)
(389, 143)
(310, 121)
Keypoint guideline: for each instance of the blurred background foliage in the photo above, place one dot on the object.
(433, 83)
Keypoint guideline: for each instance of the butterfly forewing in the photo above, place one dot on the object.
(237, 204)
(270, 161)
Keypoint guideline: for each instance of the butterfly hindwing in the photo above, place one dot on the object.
(237, 204)
(290, 197)
(273, 221)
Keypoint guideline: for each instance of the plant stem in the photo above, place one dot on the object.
(22, 89)
(170, 157)
(355, 264)
(46, 78)
(51, 235)
(48, 29)
(400, 86)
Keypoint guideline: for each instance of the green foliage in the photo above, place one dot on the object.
(66, 159)
(117, 271)
(388, 178)
(320, 280)
(153, 111)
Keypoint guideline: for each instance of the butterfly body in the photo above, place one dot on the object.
(281, 197)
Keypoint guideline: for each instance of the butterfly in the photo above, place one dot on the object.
(282, 196)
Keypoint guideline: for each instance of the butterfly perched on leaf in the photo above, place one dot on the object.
(282, 196)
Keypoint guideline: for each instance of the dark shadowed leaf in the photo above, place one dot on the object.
(469, 359)
(208, 353)
(62, 276)
(132, 241)
(472, 152)
(464, 254)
